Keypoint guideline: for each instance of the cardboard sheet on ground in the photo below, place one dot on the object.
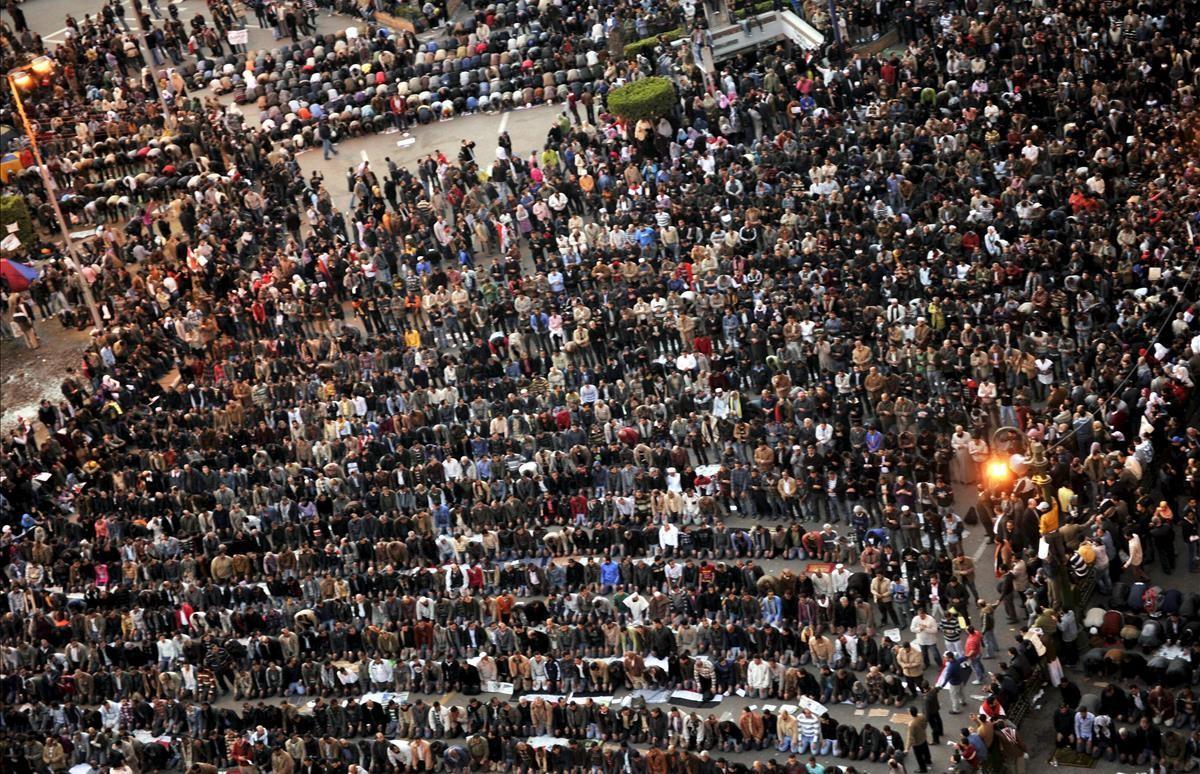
(878, 713)
(549, 697)
(1172, 652)
(652, 696)
(548, 741)
(600, 701)
(494, 686)
(145, 737)
(383, 697)
(892, 634)
(81, 768)
(693, 699)
(815, 707)
(661, 663)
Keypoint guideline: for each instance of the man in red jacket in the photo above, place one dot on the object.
(973, 650)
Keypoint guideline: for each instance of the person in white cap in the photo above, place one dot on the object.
(841, 579)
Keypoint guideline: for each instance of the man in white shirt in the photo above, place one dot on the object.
(925, 630)
(637, 605)
(381, 674)
(758, 679)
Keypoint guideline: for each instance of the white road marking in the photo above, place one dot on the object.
(979, 551)
(504, 122)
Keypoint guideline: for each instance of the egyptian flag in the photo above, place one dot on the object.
(17, 276)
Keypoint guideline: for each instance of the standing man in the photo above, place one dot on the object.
(933, 713)
(918, 740)
(925, 630)
(1007, 590)
(952, 677)
(987, 625)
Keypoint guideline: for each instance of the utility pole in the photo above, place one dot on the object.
(27, 76)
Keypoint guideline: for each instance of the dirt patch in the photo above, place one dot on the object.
(27, 376)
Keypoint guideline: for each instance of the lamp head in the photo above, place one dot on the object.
(42, 66)
(997, 471)
(21, 79)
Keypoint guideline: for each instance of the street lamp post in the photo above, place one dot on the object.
(25, 77)
(998, 473)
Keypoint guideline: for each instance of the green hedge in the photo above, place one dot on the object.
(646, 98)
(14, 210)
(756, 9)
(646, 45)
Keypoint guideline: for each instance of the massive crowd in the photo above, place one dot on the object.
(690, 409)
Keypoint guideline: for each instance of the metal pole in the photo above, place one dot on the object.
(833, 22)
(72, 254)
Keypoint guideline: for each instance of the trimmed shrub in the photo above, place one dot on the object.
(647, 98)
(646, 45)
(14, 210)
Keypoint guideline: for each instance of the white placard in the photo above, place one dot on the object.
(238, 37)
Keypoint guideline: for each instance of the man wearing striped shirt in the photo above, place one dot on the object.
(809, 727)
(952, 632)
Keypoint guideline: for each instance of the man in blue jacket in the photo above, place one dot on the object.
(953, 676)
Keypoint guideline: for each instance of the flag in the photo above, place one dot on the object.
(17, 276)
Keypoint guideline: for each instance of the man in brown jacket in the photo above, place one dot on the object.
(910, 661)
(281, 762)
(751, 725)
(917, 739)
(635, 670)
(221, 567)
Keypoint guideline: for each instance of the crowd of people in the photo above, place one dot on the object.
(535, 463)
